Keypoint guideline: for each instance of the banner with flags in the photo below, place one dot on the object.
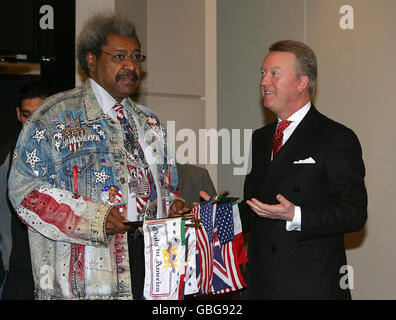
(183, 260)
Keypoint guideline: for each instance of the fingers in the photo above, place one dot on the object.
(283, 200)
(258, 207)
(178, 208)
(114, 223)
(282, 211)
(204, 195)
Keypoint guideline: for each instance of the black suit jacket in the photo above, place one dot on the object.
(331, 193)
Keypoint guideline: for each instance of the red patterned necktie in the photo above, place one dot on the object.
(278, 136)
(118, 108)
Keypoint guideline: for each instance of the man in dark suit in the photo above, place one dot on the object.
(305, 190)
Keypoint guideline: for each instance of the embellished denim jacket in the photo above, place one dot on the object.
(68, 152)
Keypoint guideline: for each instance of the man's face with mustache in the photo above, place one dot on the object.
(118, 78)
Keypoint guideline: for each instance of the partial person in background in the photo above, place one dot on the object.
(30, 96)
(192, 180)
(15, 249)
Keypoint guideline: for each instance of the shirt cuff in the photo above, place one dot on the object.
(295, 224)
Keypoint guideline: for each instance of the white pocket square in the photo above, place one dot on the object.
(305, 161)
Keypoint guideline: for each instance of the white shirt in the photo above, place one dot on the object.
(106, 102)
(295, 224)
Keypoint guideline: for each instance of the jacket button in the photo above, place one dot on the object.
(122, 180)
(273, 248)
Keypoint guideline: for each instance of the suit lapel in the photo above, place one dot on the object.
(267, 145)
(262, 150)
(297, 144)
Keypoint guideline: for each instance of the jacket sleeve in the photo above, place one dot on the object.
(347, 206)
(245, 212)
(46, 208)
(207, 184)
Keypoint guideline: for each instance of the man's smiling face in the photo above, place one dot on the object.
(280, 85)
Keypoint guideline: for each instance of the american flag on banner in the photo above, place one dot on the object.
(220, 248)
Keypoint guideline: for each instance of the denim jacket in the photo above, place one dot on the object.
(68, 152)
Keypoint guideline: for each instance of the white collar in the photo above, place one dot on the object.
(105, 100)
(299, 115)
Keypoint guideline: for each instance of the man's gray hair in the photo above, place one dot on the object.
(94, 34)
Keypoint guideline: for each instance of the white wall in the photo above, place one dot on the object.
(176, 62)
(356, 71)
(84, 9)
(180, 82)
